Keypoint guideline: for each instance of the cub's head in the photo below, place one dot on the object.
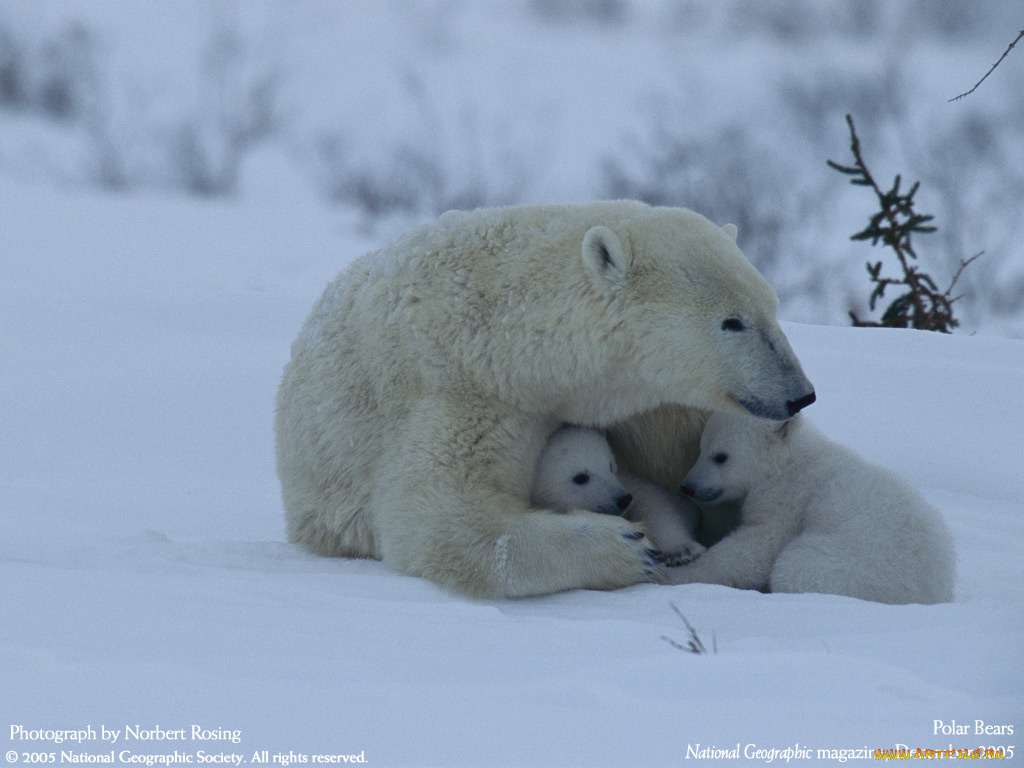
(577, 470)
(736, 452)
(700, 319)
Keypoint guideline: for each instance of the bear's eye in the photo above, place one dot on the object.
(720, 458)
(581, 479)
(732, 324)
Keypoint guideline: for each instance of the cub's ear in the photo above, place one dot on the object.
(731, 231)
(603, 255)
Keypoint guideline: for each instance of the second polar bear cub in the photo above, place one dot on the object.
(815, 518)
(577, 471)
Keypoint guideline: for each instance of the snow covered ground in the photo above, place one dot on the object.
(144, 577)
(146, 582)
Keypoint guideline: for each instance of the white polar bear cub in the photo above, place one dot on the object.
(577, 470)
(815, 518)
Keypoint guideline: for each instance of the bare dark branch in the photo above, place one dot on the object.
(1008, 49)
(956, 276)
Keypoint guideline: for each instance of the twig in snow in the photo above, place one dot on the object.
(695, 645)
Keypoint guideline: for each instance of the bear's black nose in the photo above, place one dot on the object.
(624, 502)
(795, 406)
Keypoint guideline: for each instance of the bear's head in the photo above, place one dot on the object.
(577, 470)
(737, 453)
(701, 319)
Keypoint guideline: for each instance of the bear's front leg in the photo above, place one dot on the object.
(743, 559)
(451, 506)
(669, 518)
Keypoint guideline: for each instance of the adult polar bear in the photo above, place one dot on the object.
(426, 380)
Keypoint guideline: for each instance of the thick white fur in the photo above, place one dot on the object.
(577, 470)
(815, 518)
(429, 375)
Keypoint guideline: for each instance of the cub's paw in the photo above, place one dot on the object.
(684, 554)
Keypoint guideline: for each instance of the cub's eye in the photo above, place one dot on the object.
(732, 324)
(581, 479)
(720, 458)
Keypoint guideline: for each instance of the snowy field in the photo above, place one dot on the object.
(145, 581)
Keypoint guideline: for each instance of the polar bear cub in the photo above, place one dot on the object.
(815, 518)
(577, 470)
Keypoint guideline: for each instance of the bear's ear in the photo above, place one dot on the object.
(603, 255)
(731, 231)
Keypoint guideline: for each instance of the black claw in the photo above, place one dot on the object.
(634, 535)
(657, 555)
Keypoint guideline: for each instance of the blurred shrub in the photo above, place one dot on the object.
(577, 11)
(727, 177)
(198, 148)
(55, 79)
(12, 72)
(237, 108)
(439, 166)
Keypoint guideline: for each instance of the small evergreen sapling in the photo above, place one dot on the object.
(921, 306)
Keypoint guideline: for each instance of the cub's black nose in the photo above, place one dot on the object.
(795, 406)
(624, 502)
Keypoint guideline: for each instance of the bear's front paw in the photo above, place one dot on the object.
(651, 558)
(608, 552)
(685, 554)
